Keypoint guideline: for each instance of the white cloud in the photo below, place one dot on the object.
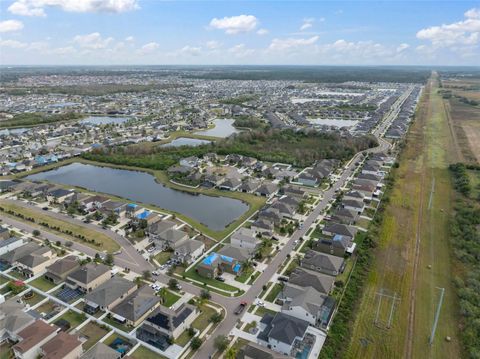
(64, 50)
(240, 50)
(190, 50)
(149, 48)
(37, 7)
(463, 33)
(290, 43)
(307, 24)
(262, 32)
(402, 47)
(235, 24)
(93, 41)
(129, 39)
(13, 44)
(10, 25)
(213, 45)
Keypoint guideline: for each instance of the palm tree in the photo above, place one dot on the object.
(163, 294)
(231, 353)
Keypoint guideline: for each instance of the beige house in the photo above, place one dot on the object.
(88, 277)
(32, 338)
(36, 262)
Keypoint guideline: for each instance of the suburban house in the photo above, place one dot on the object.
(108, 295)
(35, 262)
(323, 263)
(113, 208)
(155, 229)
(32, 338)
(188, 250)
(170, 238)
(263, 226)
(270, 214)
(337, 246)
(9, 244)
(137, 306)
(4, 233)
(249, 185)
(17, 253)
(13, 320)
(59, 195)
(303, 277)
(345, 216)
(168, 322)
(58, 271)
(62, 346)
(308, 304)
(239, 254)
(280, 332)
(341, 229)
(355, 195)
(256, 351)
(353, 205)
(93, 203)
(245, 238)
(295, 192)
(306, 178)
(267, 189)
(215, 263)
(88, 277)
(102, 351)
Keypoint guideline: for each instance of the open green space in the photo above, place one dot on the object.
(170, 298)
(163, 257)
(183, 339)
(77, 233)
(274, 292)
(202, 321)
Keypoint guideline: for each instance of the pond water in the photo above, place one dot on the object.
(332, 122)
(104, 120)
(185, 141)
(223, 128)
(214, 212)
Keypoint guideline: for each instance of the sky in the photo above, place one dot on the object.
(157, 32)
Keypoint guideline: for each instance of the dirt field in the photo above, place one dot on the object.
(413, 257)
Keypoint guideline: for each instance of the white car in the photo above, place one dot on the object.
(260, 303)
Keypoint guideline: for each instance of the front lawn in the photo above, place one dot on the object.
(214, 283)
(183, 339)
(170, 299)
(202, 321)
(242, 278)
(274, 292)
(163, 257)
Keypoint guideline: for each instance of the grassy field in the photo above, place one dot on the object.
(106, 243)
(170, 298)
(413, 257)
(202, 321)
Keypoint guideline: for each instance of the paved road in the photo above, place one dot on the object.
(128, 258)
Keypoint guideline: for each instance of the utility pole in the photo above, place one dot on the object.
(437, 314)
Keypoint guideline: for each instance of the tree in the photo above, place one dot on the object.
(172, 283)
(109, 259)
(205, 294)
(191, 331)
(147, 274)
(216, 318)
(196, 343)
(220, 343)
(36, 232)
(163, 294)
(231, 353)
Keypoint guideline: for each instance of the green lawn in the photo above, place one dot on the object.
(112, 338)
(163, 257)
(75, 319)
(242, 278)
(42, 284)
(37, 298)
(215, 283)
(261, 311)
(145, 353)
(183, 339)
(5, 351)
(3, 280)
(202, 321)
(116, 324)
(93, 333)
(170, 299)
(274, 293)
(253, 277)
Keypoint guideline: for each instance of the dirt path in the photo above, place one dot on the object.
(458, 149)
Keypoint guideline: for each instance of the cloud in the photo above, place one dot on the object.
(190, 50)
(13, 44)
(290, 43)
(307, 24)
(129, 39)
(235, 24)
(464, 33)
(93, 41)
(240, 50)
(213, 45)
(262, 32)
(149, 48)
(10, 25)
(402, 47)
(64, 50)
(37, 7)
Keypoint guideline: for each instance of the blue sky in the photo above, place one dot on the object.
(234, 32)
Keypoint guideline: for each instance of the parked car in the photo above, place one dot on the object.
(219, 278)
(240, 308)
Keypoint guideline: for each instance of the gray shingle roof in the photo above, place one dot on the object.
(111, 290)
(89, 272)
